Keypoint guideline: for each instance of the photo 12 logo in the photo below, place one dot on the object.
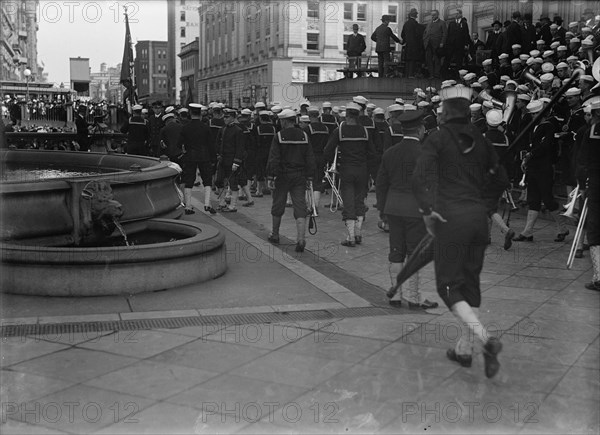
(63, 12)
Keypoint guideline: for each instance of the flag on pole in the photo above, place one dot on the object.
(127, 64)
(189, 98)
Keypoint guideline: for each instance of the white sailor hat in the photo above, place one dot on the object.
(482, 79)
(395, 108)
(503, 56)
(486, 62)
(470, 76)
(562, 48)
(305, 118)
(431, 89)
(422, 104)
(498, 87)
(524, 56)
(476, 85)
(445, 85)
(494, 118)
(313, 109)
(286, 114)
(422, 94)
(169, 109)
(574, 40)
(409, 107)
(572, 92)
(572, 58)
(353, 106)
(259, 105)
(417, 90)
(462, 72)
(540, 42)
(167, 116)
(534, 53)
(488, 104)
(538, 60)
(264, 113)
(452, 82)
(326, 104)
(458, 91)
(587, 42)
(548, 77)
(524, 97)
(399, 101)
(475, 107)
(182, 110)
(535, 106)
(522, 88)
(554, 26)
(562, 65)
(360, 100)
(305, 103)
(515, 46)
(569, 34)
(435, 99)
(246, 112)
(276, 109)
(144, 110)
(515, 61)
(195, 106)
(378, 111)
(335, 109)
(547, 53)
(573, 24)
(511, 82)
(504, 78)
(137, 107)
(342, 107)
(371, 106)
(530, 61)
(547, 67)
(586, 29)
(545, 100)
(592, 102)
(586, 78)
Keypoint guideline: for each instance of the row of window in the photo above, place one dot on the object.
(160, 68)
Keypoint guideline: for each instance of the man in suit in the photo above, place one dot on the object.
(514, 34)
(457, 41)
(493, 36)
(476, 44)
(354, 50)
(412, 35)
(381, 36)
(434, 40)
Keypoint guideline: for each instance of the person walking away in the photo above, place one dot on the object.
(138, 134)
(381, 36)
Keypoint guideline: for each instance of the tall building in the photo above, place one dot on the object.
(189, 70)
(151, 71)
(18, 44)
(182, 29)
(251, 51)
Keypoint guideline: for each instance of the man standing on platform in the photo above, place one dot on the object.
(449, 182)
(457, 42)
(355, 47)
(434, 40)
(412, 35)
(381, 36)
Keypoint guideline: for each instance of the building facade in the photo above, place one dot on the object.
(182, 29)
(265, 51)
(151, 71)
(18, 42)
(105, 84)
(189, 56)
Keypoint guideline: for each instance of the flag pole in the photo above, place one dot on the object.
(127, 67)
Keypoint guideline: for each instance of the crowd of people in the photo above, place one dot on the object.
(439, 49)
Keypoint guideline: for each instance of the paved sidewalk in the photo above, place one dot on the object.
(374, 373)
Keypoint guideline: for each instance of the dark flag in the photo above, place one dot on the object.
(189, 98)
(127, 63)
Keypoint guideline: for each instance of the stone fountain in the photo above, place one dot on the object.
(107, 225)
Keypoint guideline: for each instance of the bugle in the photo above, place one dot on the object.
(578, 234)
(331, 177)
(312, 208)
(570, 206)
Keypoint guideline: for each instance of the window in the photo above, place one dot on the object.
(348, 11)
(182, 32)
(313, 9)
(182, 16)
(361, 12)
(312, 41)
(393, 12)
(346, 37)
(313, 74)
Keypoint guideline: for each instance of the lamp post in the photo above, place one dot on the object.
(27, 74)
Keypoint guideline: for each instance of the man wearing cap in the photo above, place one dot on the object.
(586, 83)
(459, 220)
(434, 40)
(505, 68)
(290, 168)
(395, 129)
(355, 47)
(528, 30)
(264, 132)
(327, 117)
(457, 41)
(136, 129)
(412, 37)
(356, 152)
(199, 154)
(251, 146)
(575, 120)
(381, 36)
(491, 42)
(231, 153)
(588, 166)
(477, 118)
(155, 124)
(169, 137)
(513, 35)
(539, 175)
(488, 70)
(83, 129)
(545, 33)
(399, 208)
(318, 135)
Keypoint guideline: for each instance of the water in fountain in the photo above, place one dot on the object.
(121, 230)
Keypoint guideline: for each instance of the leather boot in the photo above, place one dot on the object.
(274, 236)
(394, 269)
(358, 230)
(562, 231)
(300, 232)
(350, 226)
(207, 206)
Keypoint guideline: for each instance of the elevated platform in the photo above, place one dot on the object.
(379, 91)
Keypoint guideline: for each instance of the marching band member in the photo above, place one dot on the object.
(318, 134)
(264, 132)
(231, 152)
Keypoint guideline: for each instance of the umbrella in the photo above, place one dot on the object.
(421, 257)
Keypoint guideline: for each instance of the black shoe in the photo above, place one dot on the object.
(522, 238)
(257, 195)
(508, 238)
(350, 243)
(189, 211)
(579, 253)
(594, 285)
(491, 349)
(358, 240)
(395, 304)
(210, 210)
(300, 245)
(423, 306)
(197, 183)
(463, 360)
(248, 204)
(561, 236)
(273, 239)
(229, 210)
(586, 247)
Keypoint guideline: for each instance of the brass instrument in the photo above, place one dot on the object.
(578, 234)
(331, 176)
(510, 104)
(312, 207)
(570, 206)
(533, 79)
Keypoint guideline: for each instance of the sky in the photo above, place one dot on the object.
(93, 29)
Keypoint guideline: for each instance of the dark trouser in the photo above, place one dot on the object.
(295, 184)
(459, 250)
(592, 222)
(138, 148)
(411, 67)
(188, 176)
(539, 189)
(318, 185)
(434, 63)
(405, 235)
(84, 143)
(235, 179)
(262, 157)
(353, 189)
(383, 57)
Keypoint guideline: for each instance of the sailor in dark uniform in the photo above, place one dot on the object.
(399, 206)
(231, 153)
(245, 123)
(568, 147)
(477, 118)
(356, 149)
(449, 183)
(395, 126)
(83, 129)
(328, 118)
(538, 167)
(318, 134)
(264, 132)
(155, 124)
(199, 154)
(136, 129)
(291, 166)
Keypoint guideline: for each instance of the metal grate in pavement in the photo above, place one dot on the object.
(51, 329)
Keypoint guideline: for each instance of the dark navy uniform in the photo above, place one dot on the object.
(199, 154)
(588, 159)
(231, 149)
(329, 120)
(138, 134)
(396, 135)
(251, 147)
(356, 150)
(155, 125)
(318, 134)
(264, 135)
(291, 163)
(540, 171)
(568, 148)
(170, 136)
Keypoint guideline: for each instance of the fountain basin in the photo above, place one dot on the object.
(197, 254)
(41, 212)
